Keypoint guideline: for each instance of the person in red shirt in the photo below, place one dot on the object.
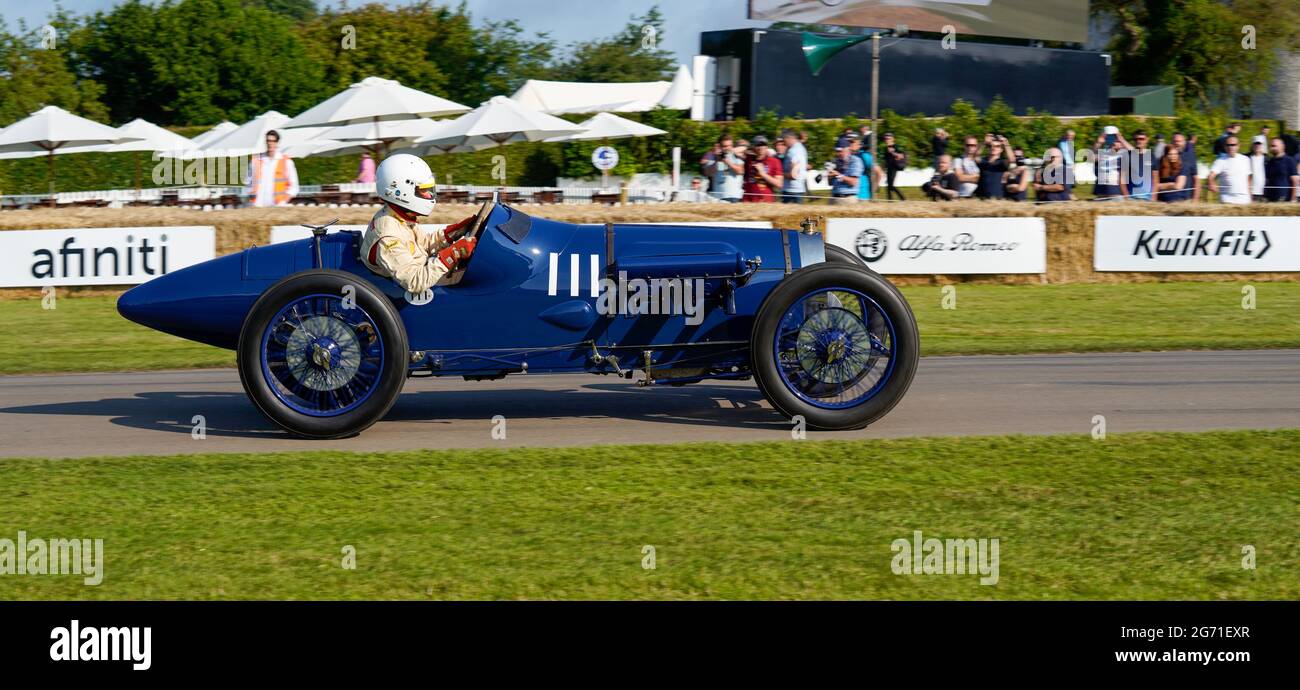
(762, 173)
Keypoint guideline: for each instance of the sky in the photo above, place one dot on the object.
(566, 21)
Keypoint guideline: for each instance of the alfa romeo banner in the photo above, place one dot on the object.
(944, 245)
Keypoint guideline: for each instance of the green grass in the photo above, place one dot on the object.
(1011, 319)
(86, 334)
(1134, 516)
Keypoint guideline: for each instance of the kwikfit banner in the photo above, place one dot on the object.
(896, 246)
(1218, 244)
(100, 256)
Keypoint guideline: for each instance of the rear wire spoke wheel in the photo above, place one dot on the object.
(836, 344)
(318, 365)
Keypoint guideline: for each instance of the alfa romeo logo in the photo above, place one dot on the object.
(871, 245)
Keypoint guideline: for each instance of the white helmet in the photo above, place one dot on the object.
(406, 181)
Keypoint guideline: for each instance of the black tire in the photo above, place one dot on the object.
(391, 378)
(843, 257)
(840, 255)
(834, 274)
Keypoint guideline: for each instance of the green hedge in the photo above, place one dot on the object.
(539, 164)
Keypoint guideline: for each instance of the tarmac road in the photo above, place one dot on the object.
(79, 415)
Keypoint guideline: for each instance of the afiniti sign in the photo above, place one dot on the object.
(1218, 244)
(100, 256)
(944, 245)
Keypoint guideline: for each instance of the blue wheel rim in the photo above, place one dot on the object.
(321, 359)
(834, 348)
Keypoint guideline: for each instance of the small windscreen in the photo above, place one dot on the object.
(517, 225)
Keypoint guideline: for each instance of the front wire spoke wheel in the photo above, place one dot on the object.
(322, 359)
(842, 354)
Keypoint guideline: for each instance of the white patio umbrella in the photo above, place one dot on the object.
(53, 130)
(145, 136)
(681, 92)
(610, 126)
(384, 135)
(498, 121)
(375, 99)
(249, 139)
(323, 145)
(216, 132)
(148, 137)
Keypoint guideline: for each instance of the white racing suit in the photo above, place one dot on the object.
(397, 249)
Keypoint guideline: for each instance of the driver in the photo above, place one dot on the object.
(394, 246)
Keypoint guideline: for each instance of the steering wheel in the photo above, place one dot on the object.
(475, 230)
(480, 220)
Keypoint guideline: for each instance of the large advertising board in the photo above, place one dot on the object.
(950, 246)
(100, 256)
(1188, 244)
(1044, 20)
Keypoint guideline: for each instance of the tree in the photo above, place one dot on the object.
(434, 49)
(197, 61)
(351, 44)
(298, 10)
(632, 54)
(1200, 46)
(497, 60)
(34, 74)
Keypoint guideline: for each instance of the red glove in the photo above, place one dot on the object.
(459, 251)
(454, 231)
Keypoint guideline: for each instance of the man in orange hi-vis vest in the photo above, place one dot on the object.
(272, 178)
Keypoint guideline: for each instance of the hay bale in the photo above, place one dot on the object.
(1070, 227)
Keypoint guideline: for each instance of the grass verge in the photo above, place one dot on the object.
(86, 333)
(1134, 516)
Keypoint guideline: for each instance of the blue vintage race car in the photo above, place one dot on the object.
(324, 346)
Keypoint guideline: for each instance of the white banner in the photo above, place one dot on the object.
(1217, 244)
(100, 256)
(896, 246)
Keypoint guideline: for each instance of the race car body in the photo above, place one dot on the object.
(324, 345)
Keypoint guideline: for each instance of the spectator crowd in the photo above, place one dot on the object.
(1140, 169)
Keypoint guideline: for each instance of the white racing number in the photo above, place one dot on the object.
(575, 274)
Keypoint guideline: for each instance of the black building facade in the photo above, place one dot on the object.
(762, 69)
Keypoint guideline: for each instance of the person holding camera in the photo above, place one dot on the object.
(1110, 151)
(1018, 179)
(995, 163)
(846, 174)
(943, 185)
(762, 173)
(939, 144)
(729, 175)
